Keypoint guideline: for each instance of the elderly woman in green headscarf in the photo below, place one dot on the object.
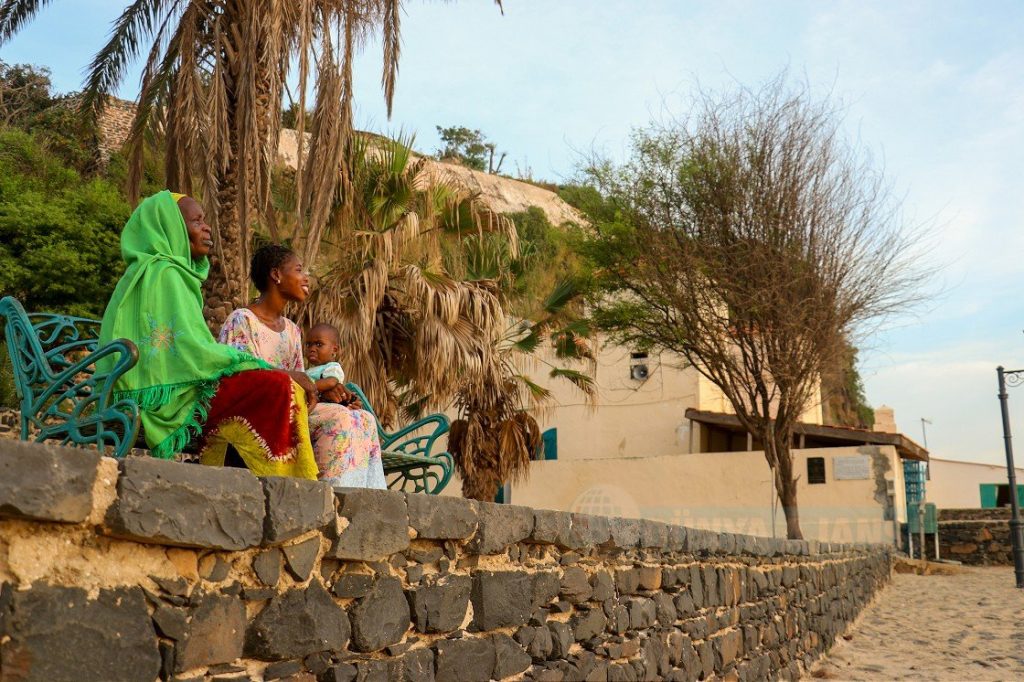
(189, 388)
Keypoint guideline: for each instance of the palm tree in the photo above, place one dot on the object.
(212, 88)
(417, 276)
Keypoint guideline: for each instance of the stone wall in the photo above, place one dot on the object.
(146, 569)
(979, 537)
(114, 126)
(974, 514)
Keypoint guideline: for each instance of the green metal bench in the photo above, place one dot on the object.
(63, 398)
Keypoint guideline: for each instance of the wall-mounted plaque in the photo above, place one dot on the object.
(855, 468)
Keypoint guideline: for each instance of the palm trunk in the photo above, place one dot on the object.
(227, 287)
(482, 487)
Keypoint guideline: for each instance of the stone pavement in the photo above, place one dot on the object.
(966, 626)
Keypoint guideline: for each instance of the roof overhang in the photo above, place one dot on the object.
(840, 435)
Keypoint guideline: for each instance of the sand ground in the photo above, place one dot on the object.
(967, 626)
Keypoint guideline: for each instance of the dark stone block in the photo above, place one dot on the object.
(169, 503)
(414, 666)
(575, 585)
(46, 482)
(666, 608)
(414, 574)
(276, 671)
(301, 558)
(171, 621)
(215, 632)
(381, 617)
(465, 659)
(789, 575)
(625, 532)
(591, 531)
(642, 613)
(676, 538)
(561, 639)
(627, 580)
(546, 585)
(618, 619)
(684, 604)
(709, 576)
(352, 585)
(343, 672)
(501, 599)
(588, 624)
(536, 641)
(500, 525)
(378, 524)
(57, 633)
(603, 584)
(298, 623)
(295, 506)
(441, 518)
(373, 671)
(267, 566)
(440, 605)
(552, 528)
(509, 657)
(653, 533)
(697, 586)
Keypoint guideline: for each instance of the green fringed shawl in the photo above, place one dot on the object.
(158, 305)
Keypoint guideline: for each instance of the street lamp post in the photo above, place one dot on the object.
(1012, 378)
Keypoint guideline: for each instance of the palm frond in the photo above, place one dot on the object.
(136, 23)
(583, 382)
(16, 13)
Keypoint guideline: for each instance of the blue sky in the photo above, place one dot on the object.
(935, 90)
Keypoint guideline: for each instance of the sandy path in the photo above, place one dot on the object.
(968, 626)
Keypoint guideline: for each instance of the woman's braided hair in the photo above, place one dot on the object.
(266, 258)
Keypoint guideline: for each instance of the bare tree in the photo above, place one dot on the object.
(751, 239)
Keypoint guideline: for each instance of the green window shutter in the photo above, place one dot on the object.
(550, 440)
(988, 495)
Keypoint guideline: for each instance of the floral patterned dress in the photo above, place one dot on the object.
(345, 441)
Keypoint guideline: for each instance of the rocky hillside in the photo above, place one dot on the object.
(499, 194)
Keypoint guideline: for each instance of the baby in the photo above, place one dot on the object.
(323, 343)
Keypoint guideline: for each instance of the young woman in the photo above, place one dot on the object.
(345, 440)
(189, 387)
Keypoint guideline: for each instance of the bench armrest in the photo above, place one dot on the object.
(78, 405)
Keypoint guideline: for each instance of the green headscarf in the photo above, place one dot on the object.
(158, 305)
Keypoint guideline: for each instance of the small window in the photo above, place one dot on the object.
(815, 470)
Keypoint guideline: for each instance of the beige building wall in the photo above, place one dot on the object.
(632, 418)
(629, 418)
(727, 491)
(956, 485)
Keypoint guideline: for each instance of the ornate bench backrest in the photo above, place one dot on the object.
(61, 395)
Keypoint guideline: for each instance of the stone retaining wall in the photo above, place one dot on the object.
(974, 514)
(146, 569)
(979, 537)
(983, 542)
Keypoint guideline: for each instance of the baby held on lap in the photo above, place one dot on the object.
(323, 345)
